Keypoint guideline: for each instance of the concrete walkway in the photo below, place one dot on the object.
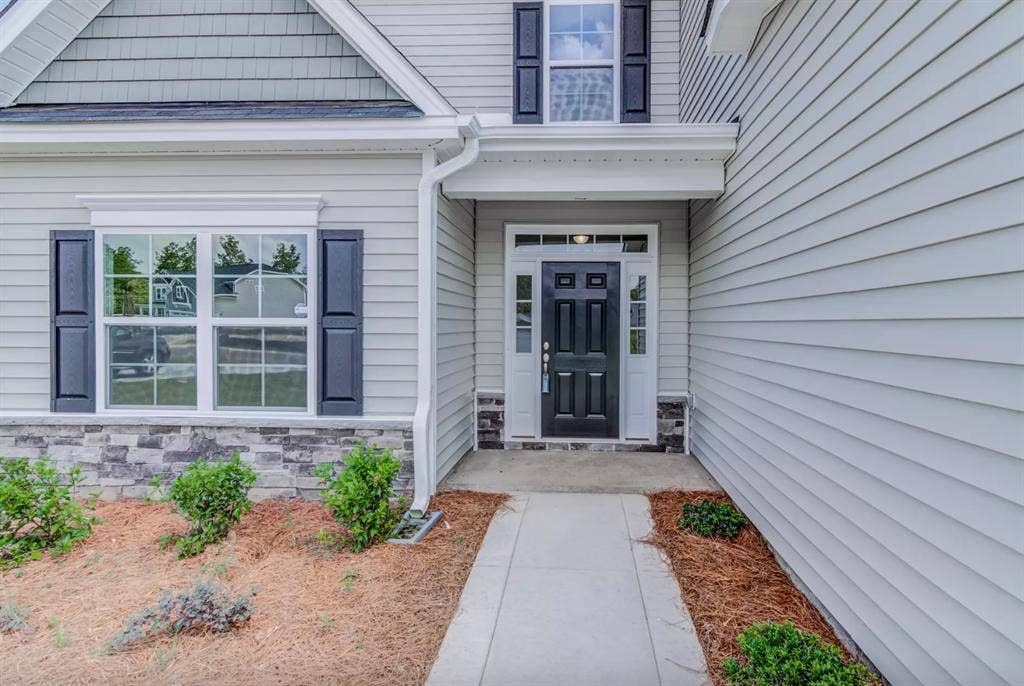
(577, 471)
(564, 593)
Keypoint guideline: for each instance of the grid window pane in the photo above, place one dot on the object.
(261, 367)
(260, 275)
(524, 314)
(151, 366)
(582, 32)
(524, 340)
(149, 275)
(638, 342)
(524, 287)
(283, 296)
(582, 94)
(638, 288)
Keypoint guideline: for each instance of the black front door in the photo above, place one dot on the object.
(580, 341)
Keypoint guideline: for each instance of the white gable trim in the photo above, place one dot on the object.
(734, 25)
(33, 33)
(382, 55)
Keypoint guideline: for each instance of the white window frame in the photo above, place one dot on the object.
(646, 406)
(614, 62)
(204, 215)
(205, 323)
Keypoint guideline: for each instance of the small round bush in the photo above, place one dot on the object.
(782, 655)
(711, 519)
(359, 495)
(213, 496)
(38, 511)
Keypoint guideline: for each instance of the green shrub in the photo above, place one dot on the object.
(38, 511)
(206, 606)
(783, 655)
(358, 495)
(214, 496)
(710, 519)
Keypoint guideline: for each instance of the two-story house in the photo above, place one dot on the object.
(785, 236)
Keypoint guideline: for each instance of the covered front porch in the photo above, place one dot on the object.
(560, 273)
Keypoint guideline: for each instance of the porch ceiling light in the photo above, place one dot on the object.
(581, 239)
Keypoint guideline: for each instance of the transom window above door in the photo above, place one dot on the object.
(581, 61)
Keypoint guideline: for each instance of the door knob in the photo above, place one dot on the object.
(546, 357)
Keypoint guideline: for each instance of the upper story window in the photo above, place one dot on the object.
(581, 64)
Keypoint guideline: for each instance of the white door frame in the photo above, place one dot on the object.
(646, 264)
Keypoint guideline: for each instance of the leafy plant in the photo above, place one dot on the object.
(783, 655)
(710, 519)
(204, 606)
(359, 495)
(38, 511)
(214, 496)
(60, 639)
(12, 617)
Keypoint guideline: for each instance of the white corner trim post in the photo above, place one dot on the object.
(424, 448)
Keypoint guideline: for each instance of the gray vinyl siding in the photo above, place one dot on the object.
(464, 48)
(207, 50)
(490, 278)
(857, 326)
(456, 285)
(375, 195)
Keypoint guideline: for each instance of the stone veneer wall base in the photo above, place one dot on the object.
(491, 426)
(120, 459)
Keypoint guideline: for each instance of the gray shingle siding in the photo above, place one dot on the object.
(207, 50)
(856, 320)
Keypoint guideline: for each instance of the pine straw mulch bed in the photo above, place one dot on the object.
(728, 585)
(320, 616)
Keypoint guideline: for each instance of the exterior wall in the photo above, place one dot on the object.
(456, 300)
(213, 50)
(700, 75)
(490, 278)
(465, 49)
(119, 458)
(374, 194)
(856, 323)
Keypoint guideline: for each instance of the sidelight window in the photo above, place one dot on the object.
(638, 315)
(524, 313)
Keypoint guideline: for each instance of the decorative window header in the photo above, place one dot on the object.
(206, 209)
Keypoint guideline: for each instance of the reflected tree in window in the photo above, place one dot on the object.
(175, 258)
(286, 258)
(231, 253)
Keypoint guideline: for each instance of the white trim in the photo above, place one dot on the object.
(204, 209)
(382, 55)
(19, 19)
(706, 141)
(524, 263)
(236, 136)
(389, 63)
(734, 24)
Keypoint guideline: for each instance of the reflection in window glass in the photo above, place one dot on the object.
(261, 367)
(151, 366)
(638, 315)
(259, 275)
(148, 275)
(582, 94)
(524, 313)
(601, 243)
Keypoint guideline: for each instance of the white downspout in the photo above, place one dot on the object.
(424, 449)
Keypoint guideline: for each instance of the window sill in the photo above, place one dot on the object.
(228, 420)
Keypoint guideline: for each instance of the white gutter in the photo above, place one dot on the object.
(424, 448)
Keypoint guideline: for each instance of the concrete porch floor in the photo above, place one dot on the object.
(577, 471)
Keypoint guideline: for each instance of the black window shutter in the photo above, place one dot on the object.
(72, 322)
(636, 61)
(339, 323)
(528, 63)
